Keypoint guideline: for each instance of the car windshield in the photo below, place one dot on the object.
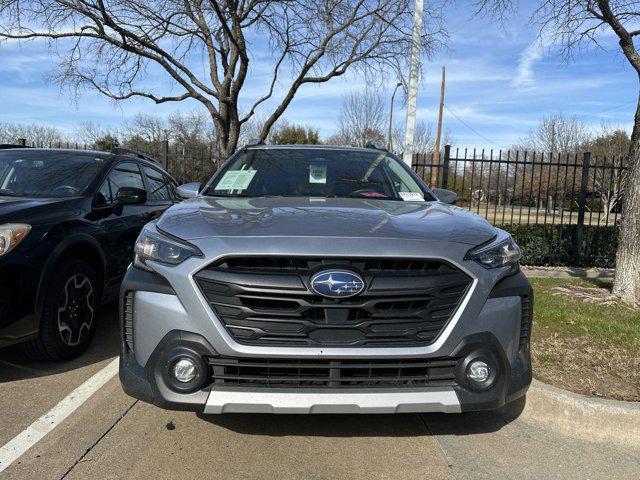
(31, 173)
(317, 172)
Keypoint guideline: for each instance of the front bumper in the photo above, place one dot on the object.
(499, 330)
(372, 401)
(18, 290)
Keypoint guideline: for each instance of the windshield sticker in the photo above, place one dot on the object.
(236, 180)
(317, 174)
(411, 196)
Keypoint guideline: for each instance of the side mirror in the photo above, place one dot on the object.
(189, 190)
(445, 196)
(130, 196)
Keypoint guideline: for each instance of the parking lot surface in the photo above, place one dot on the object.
(111, 435)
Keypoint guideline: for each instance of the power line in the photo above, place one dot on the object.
(473, 130)
(613, 109)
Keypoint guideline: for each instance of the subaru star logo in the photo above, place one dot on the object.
(337, 283)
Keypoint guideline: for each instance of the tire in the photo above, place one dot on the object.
(68, 319)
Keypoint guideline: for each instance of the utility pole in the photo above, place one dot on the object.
(436, 153)
(414, 74)
(389, 137)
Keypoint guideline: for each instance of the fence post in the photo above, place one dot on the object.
(445, 166)
(22, 141)
(164, 153)
(582, 201)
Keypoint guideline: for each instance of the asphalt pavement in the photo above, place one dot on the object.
(112, 436)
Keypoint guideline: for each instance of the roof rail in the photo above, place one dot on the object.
(132, 153)
(4, 146)
(375, 145)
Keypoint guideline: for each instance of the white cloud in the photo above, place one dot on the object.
(525, 77)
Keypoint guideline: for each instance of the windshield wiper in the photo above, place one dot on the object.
(240, 195)
(8, 193)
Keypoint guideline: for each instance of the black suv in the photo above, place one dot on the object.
(68, 223)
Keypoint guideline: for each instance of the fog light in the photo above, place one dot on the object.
(478, 371)
(185, 370)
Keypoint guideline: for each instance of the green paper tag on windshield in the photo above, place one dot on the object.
(236, 180)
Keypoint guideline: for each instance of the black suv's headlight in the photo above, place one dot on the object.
(157, 247)
(11, 234)
(501, 252)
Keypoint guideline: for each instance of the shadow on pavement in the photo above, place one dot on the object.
(15, 365)
(471, 423)
(401, 425)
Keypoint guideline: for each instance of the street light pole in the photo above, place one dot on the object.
(389, 137)
(414, 72)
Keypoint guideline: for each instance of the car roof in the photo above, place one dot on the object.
(109, 157)
(95, 153)
(314, 147)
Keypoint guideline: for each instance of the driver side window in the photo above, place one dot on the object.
(126, 174)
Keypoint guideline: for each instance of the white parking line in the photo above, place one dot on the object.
(26, 439)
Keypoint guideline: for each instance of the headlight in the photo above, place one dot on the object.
(501, 252)
(11, 234)
(153, 245)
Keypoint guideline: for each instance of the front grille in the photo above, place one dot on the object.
(267, 301)
(286, 373)
(127, 323)
(309, 264)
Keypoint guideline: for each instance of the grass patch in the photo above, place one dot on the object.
(619, 323)
(583, 345)
(547, 358)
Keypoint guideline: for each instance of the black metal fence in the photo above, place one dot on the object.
(562, 208)
(187, 163)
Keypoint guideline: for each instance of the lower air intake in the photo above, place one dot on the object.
(284, 373)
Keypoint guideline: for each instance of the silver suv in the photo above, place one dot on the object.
(306, 279)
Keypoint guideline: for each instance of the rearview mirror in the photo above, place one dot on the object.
(189, 190)
(445, 196)
(131, 196)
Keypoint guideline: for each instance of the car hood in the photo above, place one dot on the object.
(205, 217)
(11, 207)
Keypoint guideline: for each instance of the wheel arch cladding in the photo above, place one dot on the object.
(78, 247)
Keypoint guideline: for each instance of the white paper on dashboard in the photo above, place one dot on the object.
(411, 196)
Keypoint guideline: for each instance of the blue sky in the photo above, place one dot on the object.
(500, 82)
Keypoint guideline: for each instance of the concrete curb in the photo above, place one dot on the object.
(567, 272)
(594, 419)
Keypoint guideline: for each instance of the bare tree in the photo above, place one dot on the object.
(572, 23)
(424, 141)
(608, 141)
(191, 129)
(113, 46)
(555, 134)
(34, 133)
(361, 120)
(608, 147)
(252, 129)
(150, 128)
(88, 133)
